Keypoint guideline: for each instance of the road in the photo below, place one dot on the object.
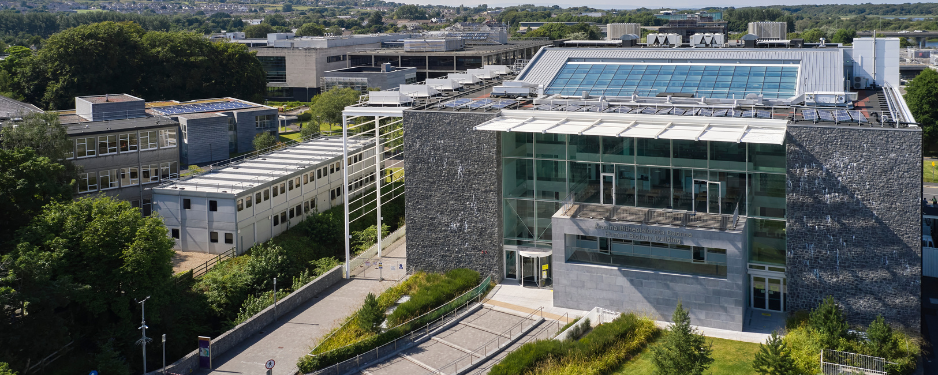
(294, 335)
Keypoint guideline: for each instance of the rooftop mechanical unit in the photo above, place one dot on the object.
(664, 40)
(707, 40)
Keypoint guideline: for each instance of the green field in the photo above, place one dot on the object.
(929, 173)
(730, 358)
(295, 136)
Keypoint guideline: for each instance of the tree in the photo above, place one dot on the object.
(27, 183)
(287, 7)
(774, 358)
(813, 35)
(922, 97)
(264, 141)
(683, 351)
(880, 339)
(370, 316)
(376, 19)
(309, 130)
(311, 29)
(828, 319)
(41, 132)
(258, 31)
(410, 12)
(844, 36)
(5, 369)
(329, 105)
(76, 271)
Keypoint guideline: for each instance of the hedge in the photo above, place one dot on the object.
(425, 299)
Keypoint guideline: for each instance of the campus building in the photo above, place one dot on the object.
(362, 78)
(246, 201)
(741, 182)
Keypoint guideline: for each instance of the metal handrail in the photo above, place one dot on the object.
(497, 340)
(533, 337)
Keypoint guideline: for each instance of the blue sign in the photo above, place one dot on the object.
(93, 372)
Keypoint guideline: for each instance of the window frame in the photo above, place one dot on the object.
(213, 205)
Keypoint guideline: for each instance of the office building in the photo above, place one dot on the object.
(769, 30)
(742, 182)
(362, 78)
(615, 31)
(242, 202)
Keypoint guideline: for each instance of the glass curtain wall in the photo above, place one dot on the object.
(541, 170)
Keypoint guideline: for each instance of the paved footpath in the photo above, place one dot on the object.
(296, 332)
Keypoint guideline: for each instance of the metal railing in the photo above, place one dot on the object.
(535, 335)
(411, 337)
(369, 254)
(506, 337)
(202, 269)
(644, 215)
(835, 362)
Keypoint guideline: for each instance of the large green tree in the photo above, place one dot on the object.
(683, 351)
(311, 29)
(40, 131)
(774, 358)
(27, 183)
(258, 31)
(328, 106)
(76, 272)
(110, 57)
(922, 98)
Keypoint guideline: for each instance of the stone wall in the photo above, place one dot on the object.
(854, 221)
(453, 193)
(234, 336)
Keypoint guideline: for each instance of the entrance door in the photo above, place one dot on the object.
(713, 197)
(700, 196)
(768, 293)
(529, 271)
(608, 186)
(511, 264)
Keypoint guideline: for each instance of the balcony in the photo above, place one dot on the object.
(678, 218)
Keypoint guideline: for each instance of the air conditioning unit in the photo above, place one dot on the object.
(860, 83)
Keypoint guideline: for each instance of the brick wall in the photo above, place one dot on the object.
(854, 221)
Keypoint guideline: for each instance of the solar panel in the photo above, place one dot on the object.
(842, 116)
(809, 114)
(692, 112)
(618, 109)
(749, 114)
(706, 112)
(678, 111)
(202, 107)
(637, 110)
(544, 107)
(649, 110)
(761, 113)
(503, 104)
(825, 115)
(719, 113)
(571, 108)
(858, 115)
(481, 103)
(664, 111)
(592, 108)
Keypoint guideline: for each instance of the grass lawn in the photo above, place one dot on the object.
(929, 173)
(394, 174)
(295, 136)
(330, 127)
(730, 358)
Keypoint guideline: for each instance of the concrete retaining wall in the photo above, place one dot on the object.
(236, 335)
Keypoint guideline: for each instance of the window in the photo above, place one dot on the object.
(276, 220)
(332, 168)
(148, 140)
(276, 191)
(167, 138)
(282, 185)
(264, 121)
(266, 195)
(283, 217)
(296, 181)
(85, 147)
(169, 170)
(332, 194)
(305, 179)
(151, 173)
(185, 133)
(186, 203)
(298, 208)
(70, 153)
(107, 144)
(175, 233)
(87, 182)
(290, 184)
(312, 204)
(305, 207)
(127, 142)
(332, 59)
(240, 204)
(229, 238)
(247, 202)
(213, 205)
(257, 197)
(275, 67)
(129, 176)
(319, 173)
(108, 179)
(213, 237)
(291, 212)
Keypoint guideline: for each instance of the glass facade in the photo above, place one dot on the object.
(540, 171)
(650, 79)
(275, 67)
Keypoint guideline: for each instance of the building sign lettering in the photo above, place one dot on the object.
(636, 233)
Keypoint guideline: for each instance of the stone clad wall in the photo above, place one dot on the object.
(453, 193)
(854, 221)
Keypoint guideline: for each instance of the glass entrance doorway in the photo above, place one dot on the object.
(768, 293)
(535, 269)
(608, 186)
(707, 196)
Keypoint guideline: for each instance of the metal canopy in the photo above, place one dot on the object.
(722, 129)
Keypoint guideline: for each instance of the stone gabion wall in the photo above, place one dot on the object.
(453, 187)
(854, 221)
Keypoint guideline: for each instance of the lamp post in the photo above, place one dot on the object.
(143, 329)
(164, 354)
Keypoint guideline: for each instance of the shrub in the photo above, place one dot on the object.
(433, 295)
(828, 319)
(528, 356)
(5, 369)
(266, 262)
(226, 286)
(896, 347)
(255, 304)
(370, 315)
(578, 330)
(684, 350)
(570, 323)
(774, 358)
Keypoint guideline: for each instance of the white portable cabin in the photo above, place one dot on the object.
(418, 91)
(463, 78)
(443, 84)
(500, 69)
(389, 98)
(483, 73)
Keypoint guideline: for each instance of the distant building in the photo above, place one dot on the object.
(615, 31)
(362, 78)
(769, 30)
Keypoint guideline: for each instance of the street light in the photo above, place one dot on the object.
(143, 329)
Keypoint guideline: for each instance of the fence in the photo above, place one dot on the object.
(410, 335)
(505, 338)
(202, 269)
(547, 329)
(834, 362)
(369, 254)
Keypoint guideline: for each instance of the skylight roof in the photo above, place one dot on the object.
(650, 79)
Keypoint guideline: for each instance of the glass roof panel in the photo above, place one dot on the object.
(649, 79)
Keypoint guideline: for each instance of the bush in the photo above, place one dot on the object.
(5, 369)
(255, 304)
(529, 355)
(684, 350)
(425, 299)
(828, 319)
(578, 330)
(370, 315)
(774, 358)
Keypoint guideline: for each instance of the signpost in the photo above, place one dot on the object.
(380, 271)
(270, 366)
(205, 352)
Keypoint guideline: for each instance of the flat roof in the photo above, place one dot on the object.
(172, 107)
(470, 49)
(247, 174)
(74, 127)
(110, 98)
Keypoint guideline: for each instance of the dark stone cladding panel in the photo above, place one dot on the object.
(453, 193)
(854, 221)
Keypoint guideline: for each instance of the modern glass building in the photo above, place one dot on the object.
(741, 182)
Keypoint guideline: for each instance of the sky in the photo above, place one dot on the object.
(632, 4)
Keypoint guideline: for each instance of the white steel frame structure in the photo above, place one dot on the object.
(382, 136)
